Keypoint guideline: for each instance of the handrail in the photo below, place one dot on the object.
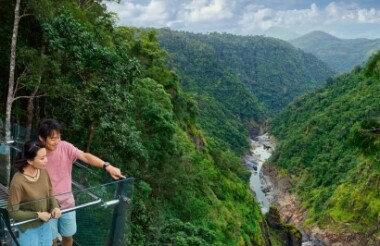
(92, 195)
(88, 197)
(111, 203)
(105, 204)
(116, 201)
(81, 206)
(62, 211)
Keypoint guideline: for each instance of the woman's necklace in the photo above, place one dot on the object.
(34, 176)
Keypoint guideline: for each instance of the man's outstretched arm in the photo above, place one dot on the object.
(99, 163)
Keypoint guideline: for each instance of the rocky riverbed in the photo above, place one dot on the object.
(291, 212)
(261, 149)
(271, 189)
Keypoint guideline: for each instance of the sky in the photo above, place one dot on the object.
(284, 19)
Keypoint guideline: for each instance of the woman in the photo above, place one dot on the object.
(30, 197)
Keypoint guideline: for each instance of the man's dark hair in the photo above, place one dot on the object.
(47, 127)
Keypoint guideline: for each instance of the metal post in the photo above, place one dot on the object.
(116, 236)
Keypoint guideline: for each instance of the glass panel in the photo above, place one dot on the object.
(10, 150)
(4, 153)
(100, 216)
(99, 222)
(95, 207)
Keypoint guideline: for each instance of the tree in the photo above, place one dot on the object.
(11, 86)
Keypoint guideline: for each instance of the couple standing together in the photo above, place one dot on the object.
(42, 187)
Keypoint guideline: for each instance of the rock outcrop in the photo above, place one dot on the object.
(291, 212)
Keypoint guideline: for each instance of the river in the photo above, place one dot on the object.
(260, 150)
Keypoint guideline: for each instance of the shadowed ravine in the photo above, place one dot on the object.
(265, 191)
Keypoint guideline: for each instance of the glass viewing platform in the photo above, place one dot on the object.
(102, 205)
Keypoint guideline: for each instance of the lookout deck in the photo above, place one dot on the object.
(101, 211)
(103, 205)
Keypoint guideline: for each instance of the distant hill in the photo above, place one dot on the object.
(274, 71)
(340, 54)
(247, 78)
(281, 33)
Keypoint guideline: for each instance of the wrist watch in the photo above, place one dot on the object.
(105, 165)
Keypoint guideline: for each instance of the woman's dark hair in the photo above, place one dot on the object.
(47, 127)
(29, 152)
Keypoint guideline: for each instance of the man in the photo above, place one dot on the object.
(61, 156)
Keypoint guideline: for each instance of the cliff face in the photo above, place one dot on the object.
(290, 211)
(285, 234)
(330, 150)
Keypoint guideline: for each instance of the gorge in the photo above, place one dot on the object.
(173, 110)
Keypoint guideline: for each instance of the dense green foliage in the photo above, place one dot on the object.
(114, 95)
(238, 81)
(176, 119)
(226, 65)
(329, 144)
(341, 55)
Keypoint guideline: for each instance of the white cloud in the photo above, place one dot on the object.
(206, 11)
(351, 13)
(368, 16)
(297, 17)
(243, 17)
(257, 18)
(154, 14)
(332, 11)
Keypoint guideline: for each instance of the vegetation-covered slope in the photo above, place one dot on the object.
(340, 54)
(329, 143)
(116, 98)
(226, 65)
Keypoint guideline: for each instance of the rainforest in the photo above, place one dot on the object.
(176, 111)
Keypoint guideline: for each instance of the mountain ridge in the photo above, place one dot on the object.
(260, 62)
(251, 78)
(341, 55)
(316, 35)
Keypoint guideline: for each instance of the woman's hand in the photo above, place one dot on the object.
(56, 213)
(44, 216)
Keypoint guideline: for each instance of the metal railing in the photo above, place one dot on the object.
(102, 208)
(94, 206)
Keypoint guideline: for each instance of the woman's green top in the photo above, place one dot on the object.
(27, 197)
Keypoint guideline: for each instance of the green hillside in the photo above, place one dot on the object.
(329, 143)
(239, 81)
(115, 97)
(272, 70)
(340, 54)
